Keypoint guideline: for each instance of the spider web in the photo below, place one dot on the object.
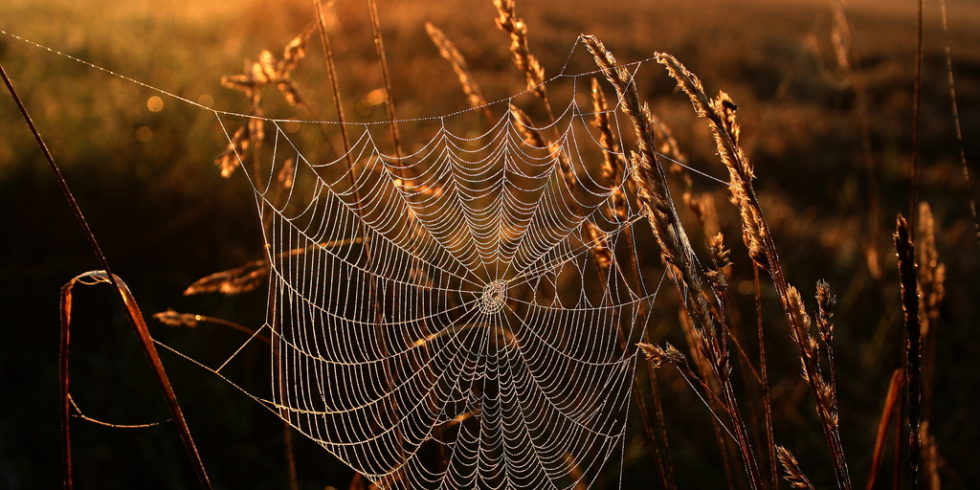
(439, 318)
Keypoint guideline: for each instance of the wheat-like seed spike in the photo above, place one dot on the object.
(508, 21)
(825, 312)
(720, 112)
(613, 162)
(908, 275)
(449, 52)
(840, 37)
(658, 356)
(172, 318)
(932, 272)
(930, 457)
(720, 259)
(526, 127)
(794, 475)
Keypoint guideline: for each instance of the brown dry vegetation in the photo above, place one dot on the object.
(811, 126)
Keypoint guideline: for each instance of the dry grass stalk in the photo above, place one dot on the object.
(676, 251)
(932, 272)
(125, 298)
(331, 69)
(533, 137)
(720, 115)
(810, 350)
(237, 150)
(613, 170)
(525, 125)
(884, 422)
(764, 376)
(251, 275)
(613, 161)
(135, 316)
(173, 318)
(908, 274)
(575, 473)
(841, 39)
(669, 355)
(600, 245)
(704, 209)
(932, 290)
(286, 174)
(668, 144)
(659, 356)
(793, 474)
(508, 21)
(242, 279)
(717, 273)
(257, 75)
(379, 45)
(721, 259)
(916, 123)
(449, 52)
(825, 328)
(954, 101)
(404, 173)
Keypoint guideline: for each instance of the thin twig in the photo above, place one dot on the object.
(916, 116)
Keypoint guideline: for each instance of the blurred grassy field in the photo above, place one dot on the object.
(165, 217)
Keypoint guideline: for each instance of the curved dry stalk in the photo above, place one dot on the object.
(125, 299)
(135, 316)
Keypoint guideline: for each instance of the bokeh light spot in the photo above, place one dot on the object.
(154, 104)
